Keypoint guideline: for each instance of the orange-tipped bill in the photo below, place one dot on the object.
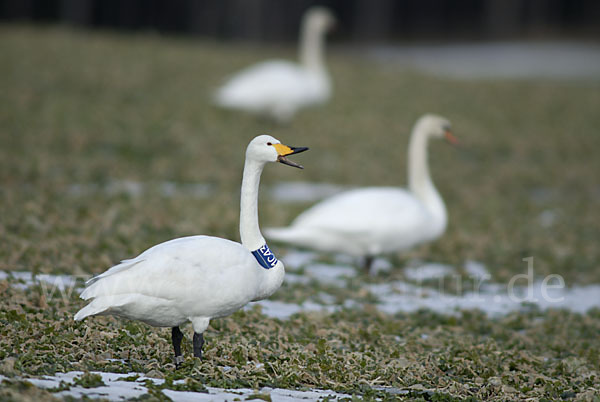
(284, 150)
(450, 138)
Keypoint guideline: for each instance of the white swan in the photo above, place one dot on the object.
(371, 221)
(197, 278)
(279, 88)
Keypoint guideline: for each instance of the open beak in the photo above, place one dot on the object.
(450, 138)
(284, 150)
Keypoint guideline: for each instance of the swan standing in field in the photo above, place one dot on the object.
(278, 88)
(197, 278)
(367, 222)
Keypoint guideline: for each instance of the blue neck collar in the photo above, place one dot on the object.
(265, 257)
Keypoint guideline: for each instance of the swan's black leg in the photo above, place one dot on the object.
(176, 337)
(198, 342)
(367, 263)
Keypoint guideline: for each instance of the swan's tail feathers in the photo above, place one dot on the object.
(125, 264)
(217, 98)
(90, 291)
(101, 288)
(225, 97)
(94, 308)
(277, 234)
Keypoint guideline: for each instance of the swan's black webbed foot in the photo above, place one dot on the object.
(198, 343)
(367, 263)
(176, 337)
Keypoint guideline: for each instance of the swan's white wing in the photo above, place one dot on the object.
(123, 265)
(266, 84)
(364, 210)
(170, 282)
(359, 222)
(168, 247)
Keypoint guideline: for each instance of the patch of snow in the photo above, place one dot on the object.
(380, 265)
(295, 278)
(290, 395)
(283, 311)
(276, 394)
(428, 271)
(303, 191)
(27, 279)
(508, 60)
(326, 298)
(296, 259)
(195, 190)
(344, 259)
(116, 388)
(24, 278)
(477, 270)
(330, 274)
(492, 299)
(132, 188)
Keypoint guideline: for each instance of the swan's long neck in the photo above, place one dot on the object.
(312, 48)
(250, 234)
(419, 180)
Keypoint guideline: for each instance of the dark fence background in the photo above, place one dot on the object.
(278, 20)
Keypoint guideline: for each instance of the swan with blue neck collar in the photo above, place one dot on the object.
(197, 278)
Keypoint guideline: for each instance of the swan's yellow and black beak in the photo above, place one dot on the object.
(450, 138)
(284, 150)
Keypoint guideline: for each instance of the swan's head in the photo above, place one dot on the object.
(435, 126)
(319, 19)
(265, 148)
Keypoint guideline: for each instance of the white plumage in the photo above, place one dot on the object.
(360, 222)
(371, 221)
(279, 88)
(187, 279)
(195, 278)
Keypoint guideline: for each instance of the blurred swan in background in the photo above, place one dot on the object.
(278, 88)
(197, 278)
(367, 222)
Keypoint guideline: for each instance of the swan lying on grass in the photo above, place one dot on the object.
(367, 222)
(278, 88)
(197, 278)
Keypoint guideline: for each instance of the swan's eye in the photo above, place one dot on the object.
(268, 143)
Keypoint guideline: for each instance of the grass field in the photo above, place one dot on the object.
(90, 109)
